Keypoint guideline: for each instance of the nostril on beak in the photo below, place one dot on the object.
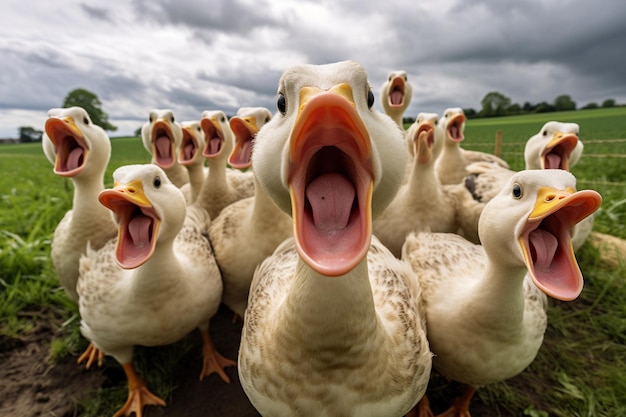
(550, 197)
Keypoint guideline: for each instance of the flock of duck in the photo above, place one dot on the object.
(359, 255)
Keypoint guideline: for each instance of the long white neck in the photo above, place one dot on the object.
(423, 184)
(196, 179)
(86, 206)
(499, 303)
(161, 273)
(329, 314)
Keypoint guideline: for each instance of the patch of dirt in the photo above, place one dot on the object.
(31, 385)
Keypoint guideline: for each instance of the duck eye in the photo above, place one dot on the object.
(267, 119)
(157, 182)
(151, 118)
(370, 99)
(281, 103)
(172, 119)
(85, 120)
(222, 119)
(517, 191)
(545, 133)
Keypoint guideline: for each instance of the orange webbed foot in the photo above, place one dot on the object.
(138, 395)
(212, 360)
(91, 354)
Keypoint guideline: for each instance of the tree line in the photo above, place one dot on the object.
(494, 104)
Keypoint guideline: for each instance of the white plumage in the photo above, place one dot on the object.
(156, 282)
(334, 323)
(485, 309)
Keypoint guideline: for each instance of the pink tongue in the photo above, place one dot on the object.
(188, 151)
(454, 132)
(331, 197)
(553, 161)
(163, 146)
(396, 97)
(214, 145)
(74, 159)
(139, 230)
(545, 245)
(245, 154)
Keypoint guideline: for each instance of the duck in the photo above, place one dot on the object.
(155, 282)
(79, 150)
(223, 185)
(421, 203)
(453, 160)
(555, 146)
(486, 304)
(190, 156)
(248, 230)
(334, 323)
(395, 96)
(244, 125)
(161, 136)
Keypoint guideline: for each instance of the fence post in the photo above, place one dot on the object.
(497, 151)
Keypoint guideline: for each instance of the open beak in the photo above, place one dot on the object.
(189, 146)
(163, 145)
(455, 128)
(245, 129)
(397, 90)
(330, 178)
(546, 240)
(424, 140)
(557, 152)
(138, 223)
(214, 137)
(70, 147)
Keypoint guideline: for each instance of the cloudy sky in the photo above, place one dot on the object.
(195, 55)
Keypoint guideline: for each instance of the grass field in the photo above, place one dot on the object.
(580, 371)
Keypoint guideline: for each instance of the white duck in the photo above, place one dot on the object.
(333, 324)
(248, 230)
(245, 124)
(485, 310)
(190, 156)
(79, 150)
(161, 136)
(395, 96)
(223, 185)
(555, 146)
(421, 204)
(453, 160)
(155, 283)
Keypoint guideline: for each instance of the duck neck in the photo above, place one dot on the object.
(500, 304)
(265, 210)
(85, 203)
(161, 272)
(332, 314)
(196, 179)
(423, 183)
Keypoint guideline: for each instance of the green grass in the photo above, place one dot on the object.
(580, 370)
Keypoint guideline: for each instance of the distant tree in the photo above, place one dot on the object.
(514, 109)
(408, 120)
(470, 113)
(608, 103)
(544, 107)
(138, 132)
(92, 105)
(563, 103)
(494, 104)
(591, 105)
(28, 134)
(529, 108)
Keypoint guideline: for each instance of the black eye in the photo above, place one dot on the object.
(267, 119)
(370, 99)
(281, 103)
(157, 182)
(222, 119)
(436, 122)
(198, 129)
(151, 119)
(86, 120)
(545, 133)
(172, 119)
(517, 191)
